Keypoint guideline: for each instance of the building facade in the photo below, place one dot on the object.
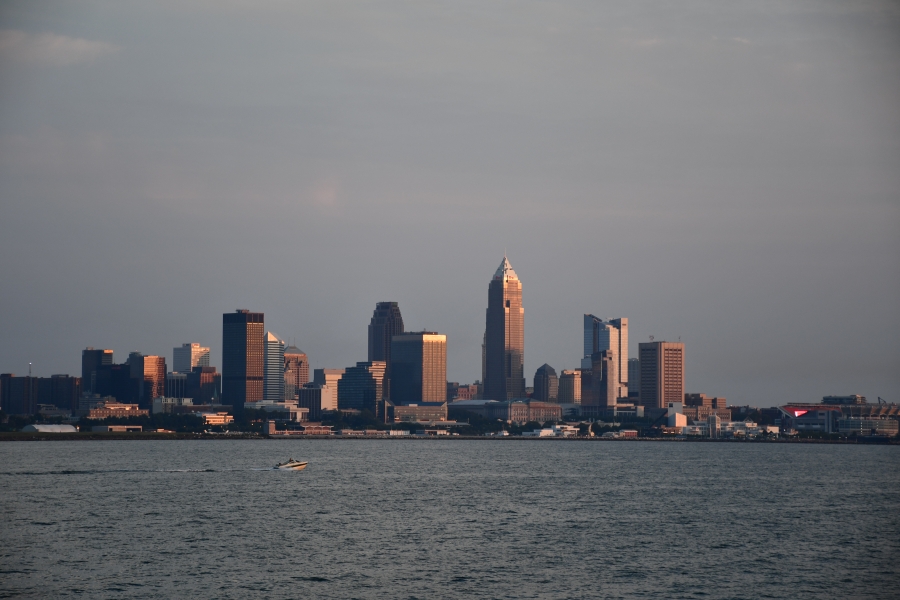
(149, 372)
(329, 377)
(91, 361)
(612, 335)
(204, 385)
(243, 357)
(504, 338)
(296, 370)
(662, 373)
(634, 377)
(361, 387)
(570, 387)
(385, 324)
(546, 384)
(604, 381)
(418, 367)
(273, 368)
(188, 356)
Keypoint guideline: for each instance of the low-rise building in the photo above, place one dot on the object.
(117, 428)
(422, 412)
(219, 418)
(117, 410)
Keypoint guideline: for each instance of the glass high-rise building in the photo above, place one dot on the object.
(243, 350)
(188, 356)
(418, 367)
(504, 337)
(91, 361)
(600, 335)
(361, 387)
(273, 368)
(385, 324)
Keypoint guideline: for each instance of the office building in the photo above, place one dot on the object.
(18, 395)
(504, 336)
(175, 385)
(634, 377)
(612, 335)
(189, 356)
(296, 370)
(385, 324)
(569, 387)
(317, 398)
(91, 360)
(604, 381)
(149, 372)
(273, 368)
(204, 385)
(329, 377)
(546, 384)
(243, 361)
(116, 380)
(662, 373)
(361, 388)
(418, 367)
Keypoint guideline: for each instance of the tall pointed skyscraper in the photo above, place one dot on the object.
(504, 338)
(385, 324)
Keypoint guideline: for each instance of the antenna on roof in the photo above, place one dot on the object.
(651, 338)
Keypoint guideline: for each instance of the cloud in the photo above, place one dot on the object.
(50, 49)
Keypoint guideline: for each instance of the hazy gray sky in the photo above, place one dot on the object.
(727, 172)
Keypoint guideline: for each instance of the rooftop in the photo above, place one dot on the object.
(505, 271)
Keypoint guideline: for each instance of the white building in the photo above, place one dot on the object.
(273, 368)
(189, 356)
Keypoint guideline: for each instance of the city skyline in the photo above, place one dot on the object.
(725, 173)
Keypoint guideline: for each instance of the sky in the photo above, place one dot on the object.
(720, 172)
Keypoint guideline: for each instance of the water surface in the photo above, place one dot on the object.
(445, 519)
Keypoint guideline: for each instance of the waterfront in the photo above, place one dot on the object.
(448, 519)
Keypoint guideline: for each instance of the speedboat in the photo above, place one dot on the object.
(291, 465)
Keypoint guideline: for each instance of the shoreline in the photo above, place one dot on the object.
(149, 436)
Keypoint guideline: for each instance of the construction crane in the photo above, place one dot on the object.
(881, 400)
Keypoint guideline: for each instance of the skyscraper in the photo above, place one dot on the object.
(91, 360)
(546, 384)
(150, 374)
(418, 367)
(504, 337)
(634, 377)
(188, 356)
(612, 335)
(604, 388)
(361, 387)
(385, 324)
(243, 349)
(570, 387)
(273, 368)
(296, 370)
(662, 373)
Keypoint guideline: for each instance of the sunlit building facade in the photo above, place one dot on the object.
(418, 367)
(504, 339)
(243, 357)
(273, 368)
(662, 373)
(188, 356)
(612, 335)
